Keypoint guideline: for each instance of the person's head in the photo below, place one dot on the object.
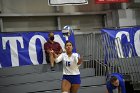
(51, 36)
(114, 81)
(68, 46)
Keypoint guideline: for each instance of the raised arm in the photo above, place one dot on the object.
(58, 58)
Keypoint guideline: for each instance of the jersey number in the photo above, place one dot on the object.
(67, 63)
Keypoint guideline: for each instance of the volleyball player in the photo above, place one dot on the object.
(71, 75)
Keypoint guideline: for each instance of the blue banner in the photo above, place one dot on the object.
(26, 48)
(125, 42)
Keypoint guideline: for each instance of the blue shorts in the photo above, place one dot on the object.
(73, 79)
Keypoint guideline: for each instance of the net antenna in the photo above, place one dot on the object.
(66, 2)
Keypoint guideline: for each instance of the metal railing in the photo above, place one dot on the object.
(92, 52)
(107, 56)
(122, 58)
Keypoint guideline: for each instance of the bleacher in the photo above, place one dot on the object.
(39, 79)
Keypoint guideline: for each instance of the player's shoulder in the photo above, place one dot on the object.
(76, 54)
(64, 54)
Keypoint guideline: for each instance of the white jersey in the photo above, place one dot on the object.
(70, 66)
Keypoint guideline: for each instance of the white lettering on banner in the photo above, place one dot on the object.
(13, 48)
(32, 49)
(137, 42)
(118, 42)
(13, 45)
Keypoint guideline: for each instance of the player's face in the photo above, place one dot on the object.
(116, 83)
(69, 47)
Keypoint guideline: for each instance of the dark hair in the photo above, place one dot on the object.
(68, 42)
(113, 79)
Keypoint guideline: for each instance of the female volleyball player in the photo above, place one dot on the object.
(71, 75)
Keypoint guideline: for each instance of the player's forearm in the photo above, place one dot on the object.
(58, 58)
(80, 60)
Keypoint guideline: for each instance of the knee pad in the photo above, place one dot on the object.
(65, 92)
